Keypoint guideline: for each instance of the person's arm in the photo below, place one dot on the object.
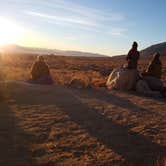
(150, 68)
(128, 55)
(46, 70)
(33, 70)
(160, 70)
(138, 56)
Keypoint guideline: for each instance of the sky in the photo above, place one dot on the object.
(99, 26)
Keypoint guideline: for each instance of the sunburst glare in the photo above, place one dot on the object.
(9, 31)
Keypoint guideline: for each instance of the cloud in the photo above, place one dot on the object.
(84, 11)
(71, 12)
(119, 32)
(67, 13)
(63, 19)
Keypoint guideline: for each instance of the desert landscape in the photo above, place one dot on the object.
(77, 121)
(82, 83)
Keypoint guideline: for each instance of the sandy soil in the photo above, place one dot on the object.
(56, 125)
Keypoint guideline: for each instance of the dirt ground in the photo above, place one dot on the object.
(61, 126)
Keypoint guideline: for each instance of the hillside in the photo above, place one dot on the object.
(161, 48)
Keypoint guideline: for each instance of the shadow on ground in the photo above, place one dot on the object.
(135, 148)
(13, 140)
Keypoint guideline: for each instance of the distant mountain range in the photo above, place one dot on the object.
(160, 48)
(16, 49)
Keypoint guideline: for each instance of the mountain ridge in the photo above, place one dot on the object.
(14, 48)
(45, 51)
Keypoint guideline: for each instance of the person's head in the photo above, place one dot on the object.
(40, 58)
(135, 45)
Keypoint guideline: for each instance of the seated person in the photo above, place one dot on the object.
(155, 67)
(152, 74)
(40, 73)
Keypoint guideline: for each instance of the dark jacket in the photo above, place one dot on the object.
(132, 59)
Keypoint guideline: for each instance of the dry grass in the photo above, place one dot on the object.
(92, 72)
(65, 126)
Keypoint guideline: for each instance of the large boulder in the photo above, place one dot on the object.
(143, 88)
(122, 79)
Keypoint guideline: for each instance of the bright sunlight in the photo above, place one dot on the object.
(9, 31)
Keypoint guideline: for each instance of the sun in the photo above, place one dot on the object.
(9, 31)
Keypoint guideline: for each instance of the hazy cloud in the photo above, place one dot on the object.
(119, 32)
(70, 19)
(70, 14)
(84, 11)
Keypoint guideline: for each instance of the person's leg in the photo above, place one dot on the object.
(31, 81)
(45, 80)
(163, 92)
